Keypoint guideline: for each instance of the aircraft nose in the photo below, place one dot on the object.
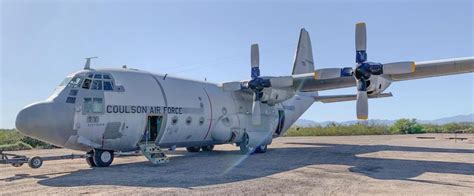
(46, 121)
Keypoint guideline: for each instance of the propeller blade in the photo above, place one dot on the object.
(282, 81)
(254, 61)
(399, 67)
(232, 86)
(361, 37)
(256, 111)
(362, 105)
(254, 56)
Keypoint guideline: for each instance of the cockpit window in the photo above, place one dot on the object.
(108, 86)
(75, 82)
(65, 81)
(107, 77)
(86, 84)
(98, 76)
(97, 85)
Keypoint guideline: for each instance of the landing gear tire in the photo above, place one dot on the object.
(245, 148)
(261, 149)
(90, 159)
(103, 158)
(208, 148)
(35, 162)
(193, 149)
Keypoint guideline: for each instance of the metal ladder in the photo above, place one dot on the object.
(153, 153)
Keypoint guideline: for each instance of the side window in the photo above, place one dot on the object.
(87, 105)
(108, 86)
(97, 85)
(71, 100)
(93, 105)
(97, 105)
(87, 84)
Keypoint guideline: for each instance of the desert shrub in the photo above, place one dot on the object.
(12, 139)
(15, 146)
(36, 143)
(335, 129)
(406, 126)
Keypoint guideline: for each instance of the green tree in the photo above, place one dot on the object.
(406, 126)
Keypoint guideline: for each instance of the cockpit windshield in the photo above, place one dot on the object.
(92, 81)
(98, 81)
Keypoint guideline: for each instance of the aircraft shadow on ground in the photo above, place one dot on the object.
(220, 167)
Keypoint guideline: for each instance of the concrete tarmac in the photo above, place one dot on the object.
(342, 165)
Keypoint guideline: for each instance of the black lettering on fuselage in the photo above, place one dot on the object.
(135, 109)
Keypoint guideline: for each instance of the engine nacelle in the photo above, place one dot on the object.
(272, 96)
(377, 84)
(257, 138)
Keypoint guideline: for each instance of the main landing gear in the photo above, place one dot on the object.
(100, 158)
(208, 148)
(245, 148)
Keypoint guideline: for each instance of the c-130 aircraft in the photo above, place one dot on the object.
(102, 111)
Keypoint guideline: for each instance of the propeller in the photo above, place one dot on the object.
(364, 70)
(257, 84)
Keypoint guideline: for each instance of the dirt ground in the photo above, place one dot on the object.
(352, 165)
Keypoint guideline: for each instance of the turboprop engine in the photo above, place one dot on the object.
(266, 90)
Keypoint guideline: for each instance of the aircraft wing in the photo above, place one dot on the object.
(308, 82)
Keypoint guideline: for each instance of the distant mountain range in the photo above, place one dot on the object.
(440, 121)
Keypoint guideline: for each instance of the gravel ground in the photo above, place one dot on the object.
(354, 165)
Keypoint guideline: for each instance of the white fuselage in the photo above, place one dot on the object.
(190, 113)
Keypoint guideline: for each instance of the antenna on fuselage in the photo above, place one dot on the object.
(88, 62)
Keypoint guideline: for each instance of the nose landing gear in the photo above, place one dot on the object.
(100, 158)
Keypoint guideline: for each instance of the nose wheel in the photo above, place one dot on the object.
(100, 158)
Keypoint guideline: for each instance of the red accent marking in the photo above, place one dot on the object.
(210, 105)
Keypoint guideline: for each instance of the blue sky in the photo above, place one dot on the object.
(41, 42)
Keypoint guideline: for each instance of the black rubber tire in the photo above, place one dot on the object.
(90, 159)
(35, 162)
(193, 149)
(103, 158)
(244, 145)
(261, 149)
(207, 148)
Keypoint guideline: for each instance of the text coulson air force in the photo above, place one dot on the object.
(131, 109)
